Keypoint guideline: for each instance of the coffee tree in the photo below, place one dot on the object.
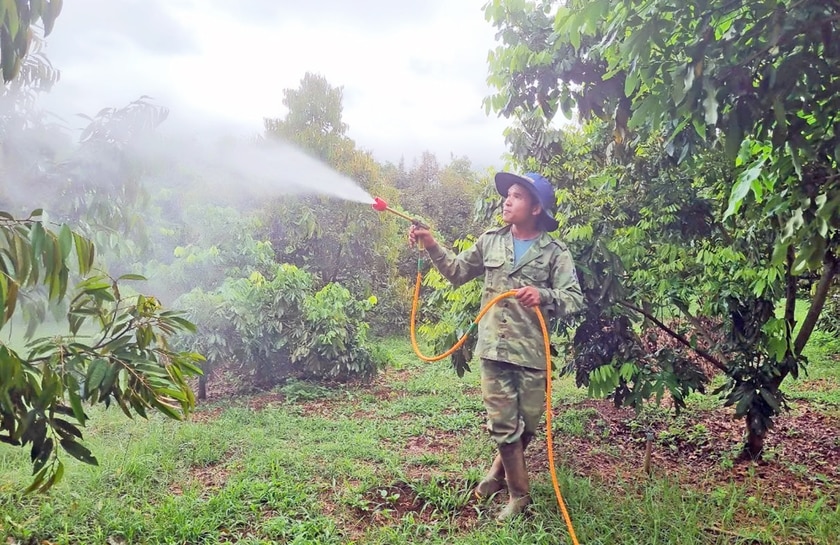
(277, 326)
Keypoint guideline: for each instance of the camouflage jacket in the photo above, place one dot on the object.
(510, 332)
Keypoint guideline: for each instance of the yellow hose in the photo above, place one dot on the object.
(546, 346)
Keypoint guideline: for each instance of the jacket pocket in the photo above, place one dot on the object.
(536, 273)
(494, 272)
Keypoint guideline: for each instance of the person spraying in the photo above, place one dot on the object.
(519, 256)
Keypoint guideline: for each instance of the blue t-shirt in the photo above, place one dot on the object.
(520, 247)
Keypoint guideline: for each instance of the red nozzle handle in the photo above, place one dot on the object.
(379, 205)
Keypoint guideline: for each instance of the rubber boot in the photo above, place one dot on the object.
(516, 476)
(494, 481)
(526, 439)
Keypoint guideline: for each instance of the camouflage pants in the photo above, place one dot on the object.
(514, 397)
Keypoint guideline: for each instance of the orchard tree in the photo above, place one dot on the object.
(313, 120)
(445, 195)
(116, 348)
(724, 119)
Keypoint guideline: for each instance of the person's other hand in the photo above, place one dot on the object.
(528, 296)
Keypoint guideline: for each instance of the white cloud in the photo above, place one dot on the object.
(413, 79)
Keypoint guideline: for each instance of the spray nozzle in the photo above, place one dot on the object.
(381, 206)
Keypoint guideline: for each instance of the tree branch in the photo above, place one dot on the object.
(790, 294)
(700, 352)
(830, 267)
(694, 321)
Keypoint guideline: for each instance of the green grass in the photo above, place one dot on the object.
(284, 474)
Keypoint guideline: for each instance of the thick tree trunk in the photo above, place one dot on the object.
(754, 443)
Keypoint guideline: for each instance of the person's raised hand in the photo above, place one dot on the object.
(419, 235)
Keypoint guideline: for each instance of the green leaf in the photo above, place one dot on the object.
(56, 476)
(744, 403)
(770, 399)
(4, 290)
(42, 455)
(742, 187)
(777, 347)
(574, 37)
(183, 324)
(678, 85)
(794, 157)
(779, 113)
(66, 429)
(168, 410)
(65, 241)
(733, 138)
(37, 481)
(12, 18)
(95, 375)
(631, 81)
(132, 277)
(83, 248)
(78, 451)
(699, 127)
(37, 238)
(76, 403)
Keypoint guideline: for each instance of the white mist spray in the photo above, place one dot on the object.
(228, 167)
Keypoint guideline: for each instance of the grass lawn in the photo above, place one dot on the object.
(394, 462)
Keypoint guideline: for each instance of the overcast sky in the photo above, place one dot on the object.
(413, 72)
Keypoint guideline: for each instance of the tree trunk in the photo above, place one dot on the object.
(202, 386)
(754, 444)
(790, 293)
(830, 267)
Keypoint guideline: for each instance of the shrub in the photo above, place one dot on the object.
(333, 342)
(278, 328)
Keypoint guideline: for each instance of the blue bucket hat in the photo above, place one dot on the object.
(540, 188)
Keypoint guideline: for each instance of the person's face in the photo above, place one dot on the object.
(519, 207)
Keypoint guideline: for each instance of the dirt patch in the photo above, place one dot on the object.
(222, 388)
(209, 478)
(433, 442)
(265, 400)
(818, 385)
(205, 414)
(383, 505)
(802, 452)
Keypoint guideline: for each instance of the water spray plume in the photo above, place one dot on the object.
(381, 206)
